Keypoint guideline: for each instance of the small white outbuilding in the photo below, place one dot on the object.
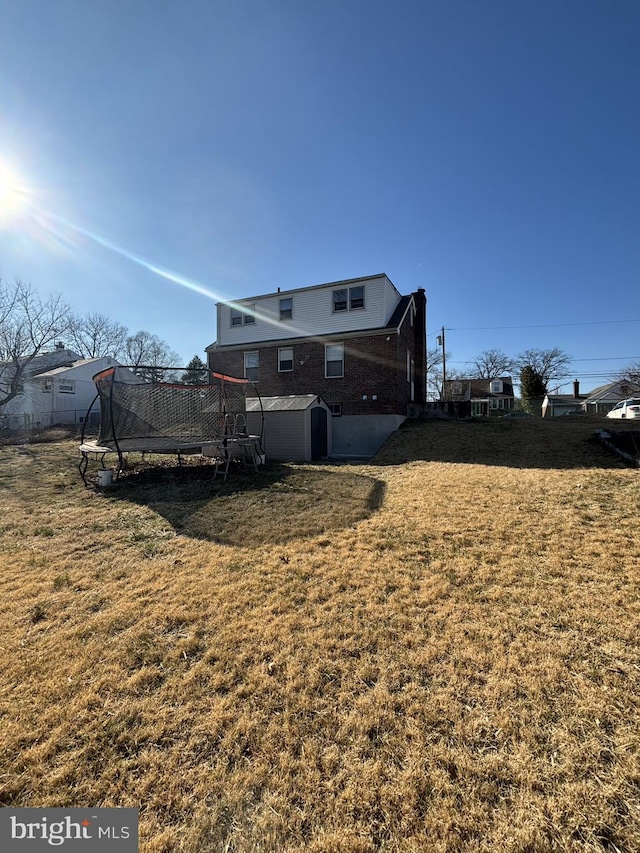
(297, 428)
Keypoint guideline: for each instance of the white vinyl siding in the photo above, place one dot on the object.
(314, 314)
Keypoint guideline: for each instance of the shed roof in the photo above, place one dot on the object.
(292, 403)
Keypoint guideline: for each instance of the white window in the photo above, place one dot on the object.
(496, 386)
(47, 385)
(350, 298)
(68, 387)
(340, 300)
(356, 297)
(245, 315)
(334, 361)
(286, 308)
(251, 365)
(285, 360)
(335, 409)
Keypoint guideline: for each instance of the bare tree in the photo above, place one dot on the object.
(147, 355)
(435, 373)
(548, 364)
(95, 336)
(28, 324)
(491, 364)
(630, 377)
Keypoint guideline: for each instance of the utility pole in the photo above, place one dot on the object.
(444, 360)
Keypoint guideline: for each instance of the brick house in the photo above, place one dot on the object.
(359, 344)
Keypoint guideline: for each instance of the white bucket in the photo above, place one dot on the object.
(105, 477)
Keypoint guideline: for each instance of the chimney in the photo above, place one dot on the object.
(576, 388)
(59, 345)
(420, 345)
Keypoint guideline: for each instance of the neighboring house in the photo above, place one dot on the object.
(602, 399)
(486, 396)
(555, 405)
(54, 395)
(358, 344)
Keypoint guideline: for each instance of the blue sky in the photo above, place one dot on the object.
(486, 150)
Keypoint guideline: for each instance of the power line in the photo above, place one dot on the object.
(604, 358)
(539, 326)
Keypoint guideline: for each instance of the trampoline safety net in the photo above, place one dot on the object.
(159, 415)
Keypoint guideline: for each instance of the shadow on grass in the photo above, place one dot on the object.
(557, 443)
(274, 505)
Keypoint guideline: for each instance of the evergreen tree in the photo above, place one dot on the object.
(196, 372)
(532, 389)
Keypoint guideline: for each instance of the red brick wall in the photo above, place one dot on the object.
(374, 365)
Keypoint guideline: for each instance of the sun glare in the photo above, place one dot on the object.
(13, 195)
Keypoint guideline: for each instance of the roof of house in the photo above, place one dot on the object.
(56, 371)
(396, 318)
(292, 402)
(58, 357)
(566, 399)
(473, 388)
(612, 391)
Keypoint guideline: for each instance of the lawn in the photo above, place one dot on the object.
(434, 651)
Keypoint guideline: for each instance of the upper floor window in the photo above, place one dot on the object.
(340, 300)
(348, 298)
(68, 387)
(286, 308)
(47, 385)
(334, 360)
(251, 366)
(356, 297)
(245, 315)
(496, 386)
(285, 359)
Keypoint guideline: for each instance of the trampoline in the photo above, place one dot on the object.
(137, 416)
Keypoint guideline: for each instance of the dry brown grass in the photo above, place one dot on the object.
(437, 651)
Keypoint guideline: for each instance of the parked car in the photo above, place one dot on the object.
(626, 409)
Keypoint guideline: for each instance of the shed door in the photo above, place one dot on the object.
(318, 432)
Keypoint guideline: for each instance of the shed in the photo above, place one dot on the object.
(297, 428)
